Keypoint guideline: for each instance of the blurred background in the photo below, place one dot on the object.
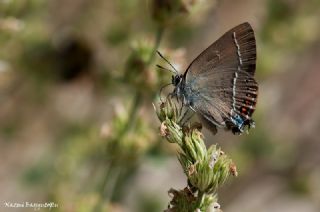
(77, 83)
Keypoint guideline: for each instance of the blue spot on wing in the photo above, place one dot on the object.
(237, 120)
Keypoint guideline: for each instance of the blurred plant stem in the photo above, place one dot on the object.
(159, 35)
(138, 96)
(206, 168)
(114, 170)
(137, 100)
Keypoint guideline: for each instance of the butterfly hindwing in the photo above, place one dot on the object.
(221, 83)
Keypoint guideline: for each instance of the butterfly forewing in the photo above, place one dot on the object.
(221, 80)
(239, 42)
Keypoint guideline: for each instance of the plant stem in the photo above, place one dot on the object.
(138, 97)
(132, 114)
(200, 198)
(137, 101)
(159, 35)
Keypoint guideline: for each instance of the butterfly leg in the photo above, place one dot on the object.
(188, 118)
(182, 106)
(182, 117)
(187, 115)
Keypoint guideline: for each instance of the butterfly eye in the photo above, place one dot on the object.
(175, 80)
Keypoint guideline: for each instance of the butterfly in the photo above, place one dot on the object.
(219, 84)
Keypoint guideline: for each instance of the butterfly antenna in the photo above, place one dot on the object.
(166, 69)
(175, 70)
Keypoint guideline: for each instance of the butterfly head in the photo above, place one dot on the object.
(177, 81)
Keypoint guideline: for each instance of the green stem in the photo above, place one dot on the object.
(159, 36)
(138, 98)
(132, 114)
(137, 101)
(111, 184)
(200, 198)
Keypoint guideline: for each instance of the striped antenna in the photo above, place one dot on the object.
(175, 70)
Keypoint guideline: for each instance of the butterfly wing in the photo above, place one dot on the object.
(221, 80)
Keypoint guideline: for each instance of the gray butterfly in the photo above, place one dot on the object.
(219, 84)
